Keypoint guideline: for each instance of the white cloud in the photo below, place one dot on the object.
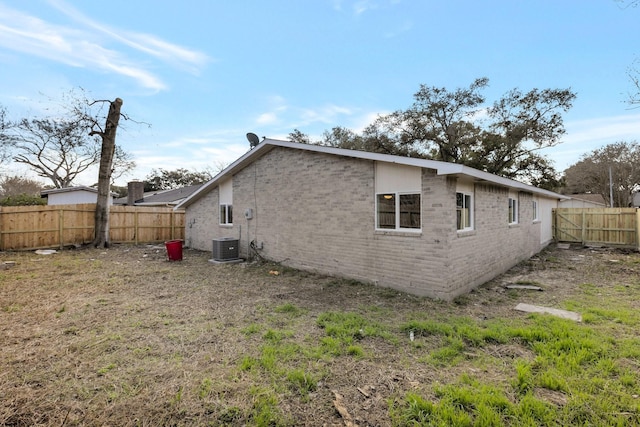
(363, 6)
(86, 47)
(147, 43)
(610, 129)
(168, 52)
(364, 120)
(328, 114)
(584, 136)
(267, 118)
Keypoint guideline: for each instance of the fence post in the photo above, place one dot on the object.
(637, 229)
(61, 228)
(136, 225)
(172, 218)
(1, 231)
(584, 227)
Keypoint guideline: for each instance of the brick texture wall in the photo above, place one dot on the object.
(494, 245)
(316, 211)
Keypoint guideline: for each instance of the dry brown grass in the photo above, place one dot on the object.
(124, 337)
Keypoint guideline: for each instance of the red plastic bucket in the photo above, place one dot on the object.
(174, 250)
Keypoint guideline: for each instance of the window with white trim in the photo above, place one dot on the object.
(536, 214)
(225, 210)
(397, 211)
(513, 210)
(398, 197)
(464, 211)
(226, 214)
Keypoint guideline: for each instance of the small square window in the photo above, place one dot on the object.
(226, 214)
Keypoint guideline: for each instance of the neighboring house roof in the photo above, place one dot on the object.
(589, 197)
(442, 168)
(68, 190)
(80, 188)
(162, 197)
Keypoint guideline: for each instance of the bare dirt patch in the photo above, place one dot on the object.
(124, 337)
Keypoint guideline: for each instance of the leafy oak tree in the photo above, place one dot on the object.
(454, 126)
(619, 161)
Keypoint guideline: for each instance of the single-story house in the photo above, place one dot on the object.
(425, 227)
(136, 196)
(71, 195)
(583, 200)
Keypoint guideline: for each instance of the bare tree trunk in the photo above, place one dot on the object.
(104, 175)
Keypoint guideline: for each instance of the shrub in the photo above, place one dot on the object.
(23, 200)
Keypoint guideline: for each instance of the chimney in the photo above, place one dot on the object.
(135, 192)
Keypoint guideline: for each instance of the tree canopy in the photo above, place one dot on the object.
(620, 161)
(162, 179)
(20, 191)
(17, 185)
(455, 126)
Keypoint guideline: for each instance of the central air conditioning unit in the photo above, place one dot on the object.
(225, 249)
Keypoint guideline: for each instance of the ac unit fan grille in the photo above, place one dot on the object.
(225, 249)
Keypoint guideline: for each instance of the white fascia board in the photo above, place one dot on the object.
(478, 175)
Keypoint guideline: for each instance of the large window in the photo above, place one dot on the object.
(398, 202)
(513, 210)
(464, 211)
(398, 211)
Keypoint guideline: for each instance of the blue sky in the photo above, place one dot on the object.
(204, 73)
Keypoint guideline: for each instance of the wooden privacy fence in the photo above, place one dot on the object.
(598, 226)
(57, 226)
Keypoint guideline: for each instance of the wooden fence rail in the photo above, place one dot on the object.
(598, 226)
(57, 226)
